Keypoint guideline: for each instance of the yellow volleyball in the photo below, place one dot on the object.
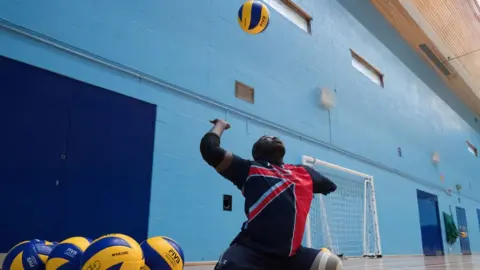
(28, 255)
(253, 17)
(162, 253)
(118, 251)
(67, 254)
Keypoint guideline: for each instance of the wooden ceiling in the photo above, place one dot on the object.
(451, 30)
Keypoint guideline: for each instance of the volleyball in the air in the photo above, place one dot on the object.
(67, 254)
(28, 255)
(113, 251)
(162, 253)
(253, 17)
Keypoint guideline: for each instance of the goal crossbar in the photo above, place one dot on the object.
(368, 182)
(314, 161)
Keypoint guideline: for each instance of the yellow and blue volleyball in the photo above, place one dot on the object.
(113, 252)
(253, 17)
(162, 253)
(67, 254)
(31, 254)
(325, 250)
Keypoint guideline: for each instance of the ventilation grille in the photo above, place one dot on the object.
(244, 92)
(429, 53)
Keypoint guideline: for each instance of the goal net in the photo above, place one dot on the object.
(346, 220)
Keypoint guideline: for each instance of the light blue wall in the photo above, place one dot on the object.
(197, 45)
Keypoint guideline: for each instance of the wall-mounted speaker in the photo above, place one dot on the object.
(435, 157)
(327, 98)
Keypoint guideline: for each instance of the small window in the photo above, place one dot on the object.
(244, 92)
(293, 12)
(366, 68)
(472, 149)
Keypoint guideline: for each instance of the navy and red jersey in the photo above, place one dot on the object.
(277, 202)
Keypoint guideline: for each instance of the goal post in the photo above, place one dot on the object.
(345, 221)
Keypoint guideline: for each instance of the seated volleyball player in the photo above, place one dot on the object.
(277, 202)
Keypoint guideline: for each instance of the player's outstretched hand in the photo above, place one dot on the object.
(220, 122)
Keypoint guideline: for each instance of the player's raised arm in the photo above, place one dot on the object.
(225, 163)
(321, 184)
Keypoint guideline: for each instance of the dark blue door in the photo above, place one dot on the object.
(430, 224)
(109, 164)
(74, 159)
(478, 218)
(34, 119)
(463, 228)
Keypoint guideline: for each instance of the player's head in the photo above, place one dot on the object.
(269, 148)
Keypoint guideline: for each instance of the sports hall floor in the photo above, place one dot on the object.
(456, 262)
(453, 262)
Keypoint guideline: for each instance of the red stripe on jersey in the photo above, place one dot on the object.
(303, 192)
(263, 171)
(273, 194)
(302, 207)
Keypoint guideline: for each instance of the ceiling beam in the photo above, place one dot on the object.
(396, 14)
(443, 49)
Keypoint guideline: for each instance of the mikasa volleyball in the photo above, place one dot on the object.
(253, 17)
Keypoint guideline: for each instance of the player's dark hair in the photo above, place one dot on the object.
(264, 150)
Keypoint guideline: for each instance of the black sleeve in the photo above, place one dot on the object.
(237, 172)
(214, 154)
(211, 151)
(321, 184)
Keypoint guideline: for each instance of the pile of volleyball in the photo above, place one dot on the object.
(111, 251)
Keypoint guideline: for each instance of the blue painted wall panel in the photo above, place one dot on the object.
(199, 46)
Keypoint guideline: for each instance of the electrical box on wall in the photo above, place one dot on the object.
(227, 202)
(435, 157)
(327, 98)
